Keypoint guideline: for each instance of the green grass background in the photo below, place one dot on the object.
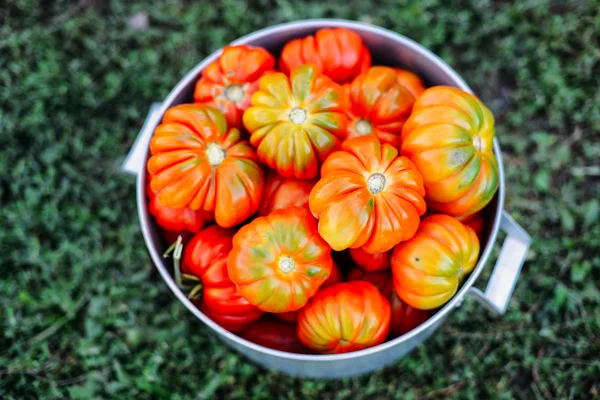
(83, 314)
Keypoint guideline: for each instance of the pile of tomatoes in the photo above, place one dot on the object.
(326, 205)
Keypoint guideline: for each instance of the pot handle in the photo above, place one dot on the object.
(508, 266)
(134, 162)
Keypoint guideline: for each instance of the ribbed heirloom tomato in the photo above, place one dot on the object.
(229, 82)
(198, 163)
(296, 122)
(429, 268)
(278, 262)
(367, 196)
(404, 317)
(339, 53)
(449, 136)
(205, 257)
(371, 262)
(176, 219)
(283, 192)
(381, 104)
(345, 317)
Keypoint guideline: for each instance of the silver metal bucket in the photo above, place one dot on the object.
(387, 48)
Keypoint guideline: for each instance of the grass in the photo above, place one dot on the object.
(83, 314)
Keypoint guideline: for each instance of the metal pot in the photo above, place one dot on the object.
(387, 48)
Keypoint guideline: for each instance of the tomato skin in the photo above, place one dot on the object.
(295, 122)
(371, 262)
(336, 276)
(449, 136)
(367, 197)
(475, 221)
(345, 317)
(410, 81)
(198, 163)
(404, 317)
(283, 192)
(381, 104)
(205, 256)
(338, 52)
(229, 82)
(176, 219)
(275, 334)
(279, 261)
(429, 268)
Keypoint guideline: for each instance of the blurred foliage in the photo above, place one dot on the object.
(84, 315)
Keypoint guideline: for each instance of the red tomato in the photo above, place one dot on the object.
(475, 221)
(283, 192)
(205, 256)
(371, 262)
(339, 53)
(176, 219)
(229, 82)
(275, 334)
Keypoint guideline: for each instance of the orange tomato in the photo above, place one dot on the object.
(380, 103)
(336, 276)
(429, 268)
(345, 317)
(229, 82)
(176, 219)
(295, 122)
(367, 196)
(339, 53)
(275, 334)
(198, 163)
(283, 192)
(404, 317)
(205, 257)
(410, 81)
(371, 262)
(279, 261)
(449, 136)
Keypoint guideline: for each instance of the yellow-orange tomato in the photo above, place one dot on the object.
(429, 268)
(371, 262)
(229, 82)
(367, 196)
(335, 277)
(449, 136)
(278, 262)
(380, 103)
(296, 122)
(198, 163)
(345, 317)
(283, 192)
(339, 53)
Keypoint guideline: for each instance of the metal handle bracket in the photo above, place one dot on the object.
(134, 162)
(507, 269)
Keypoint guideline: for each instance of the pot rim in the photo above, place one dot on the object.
(456, 300)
